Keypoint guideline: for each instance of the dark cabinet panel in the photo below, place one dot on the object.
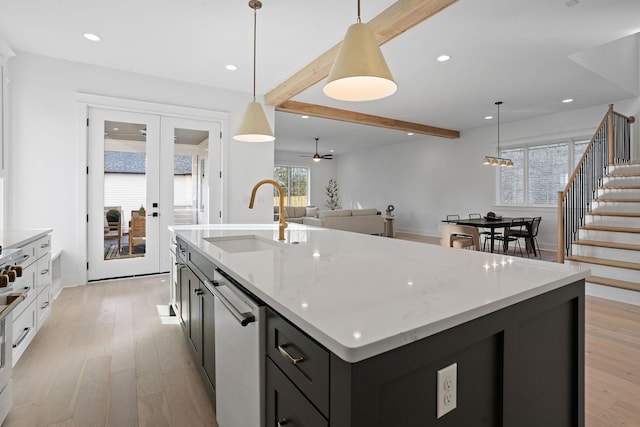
(195, 316)
(304, 361)
(208, 338)
(183, 298)
(286, 405)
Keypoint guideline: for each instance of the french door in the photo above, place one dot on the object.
(146, 172)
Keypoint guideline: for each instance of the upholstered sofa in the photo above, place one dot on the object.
(367, 221)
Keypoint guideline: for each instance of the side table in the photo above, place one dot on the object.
(388, 226)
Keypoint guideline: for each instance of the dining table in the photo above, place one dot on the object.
(491, 224)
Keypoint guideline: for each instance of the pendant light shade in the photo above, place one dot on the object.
(254, 126)
(360, 72)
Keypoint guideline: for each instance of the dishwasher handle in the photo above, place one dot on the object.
(243, 318)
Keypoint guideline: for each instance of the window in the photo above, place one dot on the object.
(539, 172)
(295, 183)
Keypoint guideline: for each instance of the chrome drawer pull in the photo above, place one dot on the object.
(289, 357)
(44, 245)
(45, 305)
(282, 422)
(45, 271)
(23, 335)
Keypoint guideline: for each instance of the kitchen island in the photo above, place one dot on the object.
(374, 320)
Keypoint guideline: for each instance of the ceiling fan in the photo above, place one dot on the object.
(317, 157)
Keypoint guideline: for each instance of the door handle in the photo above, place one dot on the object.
(153, 214)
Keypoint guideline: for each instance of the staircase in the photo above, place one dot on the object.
(609, 242)
(599, 210)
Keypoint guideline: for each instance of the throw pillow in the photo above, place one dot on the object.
(312, 211)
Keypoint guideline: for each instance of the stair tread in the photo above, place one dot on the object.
(612, 245)
(617, 200)
(620, 187)
(623, 175)
(607, 262)
(624, 214)
(610, 228)
(623, 284)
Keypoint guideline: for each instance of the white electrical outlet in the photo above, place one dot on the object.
(447, 389)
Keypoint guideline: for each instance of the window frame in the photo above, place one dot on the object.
(570, 141)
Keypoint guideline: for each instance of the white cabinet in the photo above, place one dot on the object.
(31, 314)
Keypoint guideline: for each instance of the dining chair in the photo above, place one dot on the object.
(511, 234)
(453, 217)
(485, 234)
(530, 233)
(460, 236)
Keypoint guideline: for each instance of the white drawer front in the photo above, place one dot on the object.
(43, 246)
(29, 254)
(43, 273)
(24, 329)
(26, 283)
(43, 304)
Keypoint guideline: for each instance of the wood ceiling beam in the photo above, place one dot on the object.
(395, 20)
(365, 119)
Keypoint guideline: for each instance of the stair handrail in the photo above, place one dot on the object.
(610, 145)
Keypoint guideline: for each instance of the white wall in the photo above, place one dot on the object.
(428, 178)
(320, 173)
(47, 144)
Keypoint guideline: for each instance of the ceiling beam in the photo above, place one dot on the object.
(395, 20)
(365, 119)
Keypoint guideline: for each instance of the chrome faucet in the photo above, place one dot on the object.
(282, 224)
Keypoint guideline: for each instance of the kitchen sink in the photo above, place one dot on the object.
(248, 243)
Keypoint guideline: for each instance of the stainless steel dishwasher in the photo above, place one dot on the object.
(239, 337)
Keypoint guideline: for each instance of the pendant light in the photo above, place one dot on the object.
(498, 161)
(359, 72)
(254, 126)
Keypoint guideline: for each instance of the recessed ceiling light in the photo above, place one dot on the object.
(443, 58)
(116, 129)
(305, 117)
(92, 37)
(568, 100)
(410, 133)
(488, 117)
(231, 67)
(331, 151)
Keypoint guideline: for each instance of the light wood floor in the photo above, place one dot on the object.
(109, 355)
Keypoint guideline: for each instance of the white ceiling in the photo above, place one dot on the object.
(516, 51)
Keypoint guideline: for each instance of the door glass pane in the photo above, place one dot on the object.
(125, 184)
(190, 177)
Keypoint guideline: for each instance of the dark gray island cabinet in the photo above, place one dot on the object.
(519, 366)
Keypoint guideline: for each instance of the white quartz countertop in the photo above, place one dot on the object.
(361, 295)
(17, 238)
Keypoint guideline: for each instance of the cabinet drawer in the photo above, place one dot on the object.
(24, 329)
(43, 246)
(29, 254)
(286, 406)
(26, 283)
(304, 361)
(43, 306)
(43, 273)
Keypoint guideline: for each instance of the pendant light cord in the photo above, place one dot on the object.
(255, 19)
(359, 12)
(498, 104)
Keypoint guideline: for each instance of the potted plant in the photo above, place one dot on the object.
(332, 193)
(113, 215)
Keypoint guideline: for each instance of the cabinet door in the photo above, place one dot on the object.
(208, 338)
(286, 405)
(183, 297)
(195, 318)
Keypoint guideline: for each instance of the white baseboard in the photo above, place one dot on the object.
(615, 294)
